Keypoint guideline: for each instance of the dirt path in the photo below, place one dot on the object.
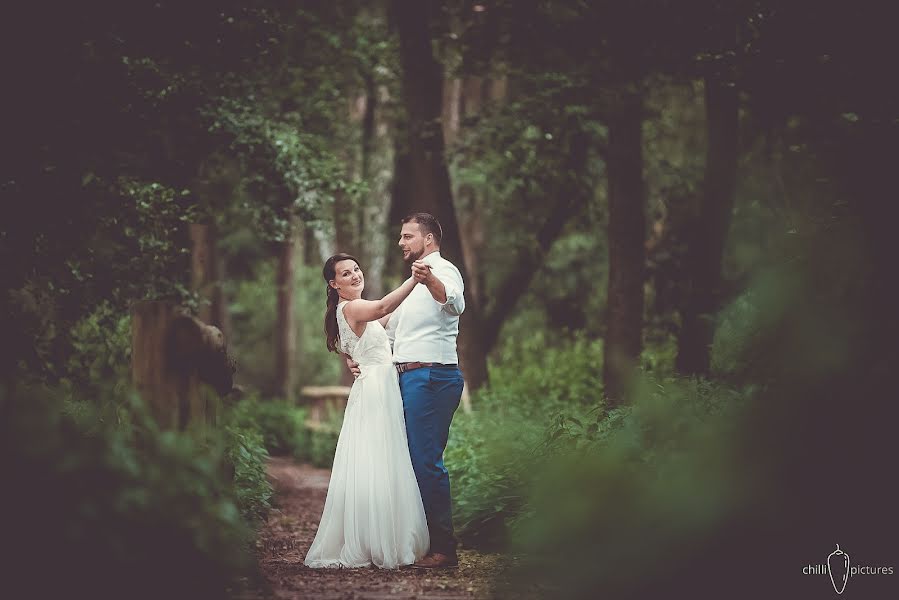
(299, 498)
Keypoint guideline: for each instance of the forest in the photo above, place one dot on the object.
(673, 221)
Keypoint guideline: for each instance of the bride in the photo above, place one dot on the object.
(373, 512)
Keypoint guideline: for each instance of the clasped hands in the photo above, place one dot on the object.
(421, 272)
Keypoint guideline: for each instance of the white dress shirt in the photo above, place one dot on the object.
(424, 330)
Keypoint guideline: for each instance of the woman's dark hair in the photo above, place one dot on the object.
(329, 272)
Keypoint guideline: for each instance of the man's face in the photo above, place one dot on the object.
(412, 242)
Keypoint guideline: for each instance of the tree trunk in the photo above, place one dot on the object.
(285, 330)
(471, 94)
(626, 246)
(346, 222)
(573, 192)
(206, 274)
(377, 164)
(429, 182)
(172, 356)
(344, 226)
(452, 97)
(706, 244)
(422, 84)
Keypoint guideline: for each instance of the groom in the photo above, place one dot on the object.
(423, 332)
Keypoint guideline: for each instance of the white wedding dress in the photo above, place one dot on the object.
(373, 513)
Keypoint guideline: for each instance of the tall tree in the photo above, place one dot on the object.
(709, 231)
(429, 181)
(108, 170)
(378, 161)
(627, 225)
(422, 90)
(285, 328)
(206, 276)
(468, 96)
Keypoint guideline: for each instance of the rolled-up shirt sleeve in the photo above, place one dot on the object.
(451, 279)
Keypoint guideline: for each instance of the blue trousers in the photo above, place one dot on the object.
(430, 397)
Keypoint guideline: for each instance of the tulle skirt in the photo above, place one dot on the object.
(373, 513)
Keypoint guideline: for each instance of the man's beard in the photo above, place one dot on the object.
(413, 256)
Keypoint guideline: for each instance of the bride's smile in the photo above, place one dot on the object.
(349, 281)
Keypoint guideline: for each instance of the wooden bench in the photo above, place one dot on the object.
(324, 403)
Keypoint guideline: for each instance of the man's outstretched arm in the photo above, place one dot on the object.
(445, 286)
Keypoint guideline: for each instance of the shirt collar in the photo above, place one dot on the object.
(429, 259)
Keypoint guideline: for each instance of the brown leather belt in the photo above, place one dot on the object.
(410, 366)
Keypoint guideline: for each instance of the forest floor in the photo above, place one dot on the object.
(300, 492)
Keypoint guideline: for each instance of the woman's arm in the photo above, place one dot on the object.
(362, 311)
(384, 320)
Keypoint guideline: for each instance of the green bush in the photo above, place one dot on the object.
(101, 344)
(284, 431)
(253, 314)
(282, 425)
(541, 375)
(322, 444)
(491, 452)
(605, 491)
(246, 455)
(541, 409)
(116, 509)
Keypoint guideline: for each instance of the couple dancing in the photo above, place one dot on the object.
(388, 501)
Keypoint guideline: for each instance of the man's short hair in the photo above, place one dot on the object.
(428, 223)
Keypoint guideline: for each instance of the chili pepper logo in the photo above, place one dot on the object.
(838, 569)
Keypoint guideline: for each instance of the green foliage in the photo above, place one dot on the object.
(246, 454)
(230, 115)
(323, 443)
(659, 354)
(122, 503)
(284, 430)
(492, 451)
(281, 425)
(79, 286)
(489, 454)
(772, 330)
(543, 411)
(632, 490)
(539, 373)
(101, 347)
(277, 158)
(575, 258)
(253, 320)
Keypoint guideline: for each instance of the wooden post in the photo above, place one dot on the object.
(149, 371)
(173, 357)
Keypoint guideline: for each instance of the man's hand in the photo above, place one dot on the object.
(353, 367)
(421, 272)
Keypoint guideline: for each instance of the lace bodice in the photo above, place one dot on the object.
(373, 348)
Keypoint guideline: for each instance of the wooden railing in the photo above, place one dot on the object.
(324, 403)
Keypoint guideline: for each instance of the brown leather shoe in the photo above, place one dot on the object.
(437, 561)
